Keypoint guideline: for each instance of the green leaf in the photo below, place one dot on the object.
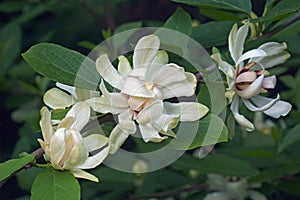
(179, 21)
(63, 65)
(209, 130)
(291, 137)
(221, 15)
(11, 166)
(53, 184)
(203, 33)
(10, 45)
(280, 10)
(232, 5)
(218, 164)
(12, 6)
(290, 186)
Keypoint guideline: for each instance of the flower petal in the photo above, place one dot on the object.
(150, 113)
(145, 51)
(102, 105)
(66, 122)
(78, 173)
(45, 124)
(169, 74)
(166, 122)
(117, 137)
(136, 87)
(256, 195)
(95, 160)
(217, 196)
(149, 133)
(249, 76)
(188, 111)
(94, 142)
(84, 94)
(114, 98)
(268, 103)
(81, 113)
(253, 89)
(67, 88)
(269, 82)
(236, 41)
(108, 72)
(161, 57)
(250, 54)
(124, 67)
(241, 119)
(57, 99)
(57, 148)
(280, 108)
(270, 61)
(76, 156)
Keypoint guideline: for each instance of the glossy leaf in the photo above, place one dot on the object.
(232, 5)
(63, 65)
(203, 33)
(52, 184)
(180, 21)
(218, 164)
(291, 137)
(11, 166)
(209, 130)
(280, 10)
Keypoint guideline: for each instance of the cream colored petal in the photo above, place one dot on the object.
(166, 122)
(84, 94)
(145, 51)
(269, 82)
(115, 99)
(253, 89)
(94, 142)
(57, 99)
(226, 68)
(95, 160)
(188, 111)
(45, 124)
(128, 126)
(241, 119)
(268, 103)
(136, 87)
(149, 133)
(280, 108)
(66, 122)
(162, 57)
(67, 88)
(124, 66)
(150, 113)
(256, 195)
(57, 147)
(116, 139)
(236, 41)
(78, 173)
(169, 74)
(102, 105)
(249, 76)
(108, 72)
(126, 115)
(179, 89)
(271, 61)
(77, 156)
(250, 54)
(81, 113)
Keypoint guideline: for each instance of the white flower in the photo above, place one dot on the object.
(142, 91)
(231, 189)
(58, 99)
(64, 146)
(247, 81)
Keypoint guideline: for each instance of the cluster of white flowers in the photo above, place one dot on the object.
(247, 81)
(140, 100)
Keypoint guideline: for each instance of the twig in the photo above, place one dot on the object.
(173, 192)
(37, 154)
(281, 27)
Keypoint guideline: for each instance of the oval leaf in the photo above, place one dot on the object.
(11, 166)
(63, 65)
(53, 184)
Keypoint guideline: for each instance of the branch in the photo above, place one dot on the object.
(281, 27)
(37, 154)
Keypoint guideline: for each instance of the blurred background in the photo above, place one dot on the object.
(75, 24)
